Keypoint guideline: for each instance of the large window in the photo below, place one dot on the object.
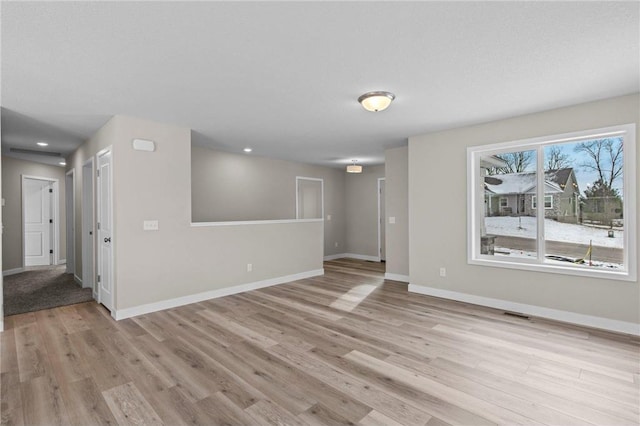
(586, 225)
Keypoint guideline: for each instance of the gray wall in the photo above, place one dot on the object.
(12, 171)
(180, 260)
(240, 187)
(397, 205)
(362, 211)
(437, 171)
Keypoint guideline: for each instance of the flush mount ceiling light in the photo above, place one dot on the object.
(354, 168)
(376, 101)
(42, 144)
(247, 150)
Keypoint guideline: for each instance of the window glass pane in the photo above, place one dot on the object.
(583, 216)
(508, 223)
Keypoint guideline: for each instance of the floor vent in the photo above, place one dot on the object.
(516, 314)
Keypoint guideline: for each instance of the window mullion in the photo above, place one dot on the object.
(540, 206)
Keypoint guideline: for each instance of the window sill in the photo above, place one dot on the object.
(523, 264)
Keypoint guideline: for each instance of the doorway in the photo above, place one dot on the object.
(309, 198)
(382, 239)
(105, 229)
(88, 240)
(70, 195)
(40, 221)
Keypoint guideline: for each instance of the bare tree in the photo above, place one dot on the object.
(605, 158)
(515, 162)
(556, 159)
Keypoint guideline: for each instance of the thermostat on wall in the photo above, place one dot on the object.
(144, 145)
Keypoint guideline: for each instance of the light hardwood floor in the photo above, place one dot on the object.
(345, 348)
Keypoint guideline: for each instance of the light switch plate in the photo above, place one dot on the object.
(392, 219)
(150, 225)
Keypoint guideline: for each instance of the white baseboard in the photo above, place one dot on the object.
(77, 279)
(538, 311)
(62, 261)
(335, 256)
(396, 277)
(12, 271)
(352, 256)
(212, 294)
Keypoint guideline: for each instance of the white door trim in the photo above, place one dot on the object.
(88, 226)
(70, 217)
(298, 179)
(55, 237)
(113, 306)
(380, 219)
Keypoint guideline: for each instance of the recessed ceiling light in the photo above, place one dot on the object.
(62, 163)
(376, 101)
(247, 150)
(42, 144)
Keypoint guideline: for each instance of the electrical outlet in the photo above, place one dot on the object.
(328, 217)
(249, 267)
(336, 244)
(443, 272)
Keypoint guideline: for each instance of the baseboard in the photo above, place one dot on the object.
(77, 279)
(352, 256)
(396, 277)
(335, 256)
(538, 311)
(62, 262)
(12, 271)
(213, 294)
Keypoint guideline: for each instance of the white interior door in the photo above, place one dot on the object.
(382, 236)
(37, 196)
(88, 240)
(105, 230)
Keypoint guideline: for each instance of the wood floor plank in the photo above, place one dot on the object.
(85, 404)
(43, 403)
(347, 347)
(129, 406)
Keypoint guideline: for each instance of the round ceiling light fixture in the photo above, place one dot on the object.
(354, 168)
(376, 101)
(42, 144)
(247, 150)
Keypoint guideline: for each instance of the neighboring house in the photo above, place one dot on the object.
(514, 194)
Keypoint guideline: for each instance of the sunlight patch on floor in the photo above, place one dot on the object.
(351, 299)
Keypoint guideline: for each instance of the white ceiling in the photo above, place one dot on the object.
(283, 78)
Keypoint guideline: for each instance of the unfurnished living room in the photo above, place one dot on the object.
(320, 213)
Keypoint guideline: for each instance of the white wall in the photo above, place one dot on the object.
(12, 171)
(362, 211)
(397, 205)
(438, 209)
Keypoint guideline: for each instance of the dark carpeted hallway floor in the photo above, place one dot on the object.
(41, 289)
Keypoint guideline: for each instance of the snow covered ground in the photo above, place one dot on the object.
(554, 231)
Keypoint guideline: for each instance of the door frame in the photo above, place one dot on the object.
(298, 179)
(113, 220)
(70, 218)
(55, 212)
(88, 211)
(381, 221)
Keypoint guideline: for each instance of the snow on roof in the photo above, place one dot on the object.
(523, 183)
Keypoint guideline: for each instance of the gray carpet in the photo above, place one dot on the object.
(42, 289)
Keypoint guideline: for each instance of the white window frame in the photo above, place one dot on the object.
(506, 202)
(475, 204)
(534, 205)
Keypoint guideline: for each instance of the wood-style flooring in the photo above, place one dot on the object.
(345, 348)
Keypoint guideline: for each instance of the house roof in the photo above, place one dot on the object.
(525, 183)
